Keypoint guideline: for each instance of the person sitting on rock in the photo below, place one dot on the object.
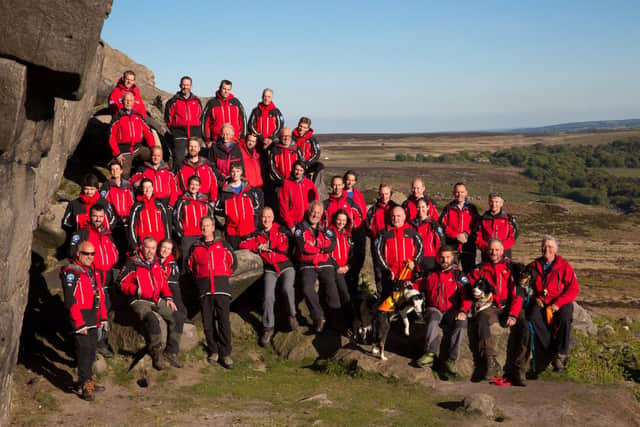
(271, 242)
(265, 119)
(308, 145)
(85, 301)
(76, 214)
(190, 209)
(148, 217)
(314, 244)
(505, 309)
(282, 157)
(432, 235)
(496, 223)
(225, 152)
(143, 279)
(358, 233)
(211, 262)
(411, 204)
(459, 220)
(126, 84)
(555, 289)
(182, 114)
(446, 307)
(168, 255)
(119, 193)
(164, 183)
(239, 204)
(378, 218)
(127, 132)
(296, 194)
(194, 164)
(341, 256)
(222, 109)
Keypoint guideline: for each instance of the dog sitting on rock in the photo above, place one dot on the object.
(482, 295)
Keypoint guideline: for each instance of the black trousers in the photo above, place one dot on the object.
(180, 315)
(377, 268)
(86, 353)
(215, 319)
(328, 288)
(555, 337)
(356, 262)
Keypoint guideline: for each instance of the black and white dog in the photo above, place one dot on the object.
(482, 294)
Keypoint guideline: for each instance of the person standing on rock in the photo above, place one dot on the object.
(182, 114)
(265, 119)
(378, 218)
(294, 197)
(164, 183)
(310, 149)
(127, 132)
(225, 152)
(119, 193)
(77, 212)
(126, 84)
(148, 217)
(446, 307)
(459, 220)
(85, 300)
(223, 108)
(556, 288)
(212, 262)
(271, 242)
(143, 279)
(190, 209)
(411, 204)
(505, 309)
(496, 223)
(199, 166)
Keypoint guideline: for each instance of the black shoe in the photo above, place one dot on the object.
(104, 351)
(516, 380)
(173, 359)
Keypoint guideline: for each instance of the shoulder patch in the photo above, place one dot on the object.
(464, 280)
(103, 194)
(330, 233)
(75, 238)
(70, 278)
(298, 232)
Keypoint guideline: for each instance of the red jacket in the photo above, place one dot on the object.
(378, 218)
(396, 245)
(265, 120)
(281, 161)
(128, 130)
(340, 253)
(294, 199)
(202, 169)
(456, 221)
(444, 290)
(171, 270)
(148, 217)
(499, 276)
(120, 198)
(314, 246)
(239, 210)
(222, 157)
(252, 166)
(182, 115)
(410, 206)
(500, 226)
(358, 198)
(219, 111)
(144, 280)
(560, 282)
(333, 204)
(83, 295)
(211, 260)
(188, 212)
(277, 239)
(115, 99)
(106, 253)
(431, 234)
(307, 145)
(77, 212)
(164, 183)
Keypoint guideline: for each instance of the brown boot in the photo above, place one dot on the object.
(156, 359)
(173, 359)
(560, 362)
(87, 391)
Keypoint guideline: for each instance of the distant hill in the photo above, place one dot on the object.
(598, 125)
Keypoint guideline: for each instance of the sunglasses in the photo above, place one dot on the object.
(87, 253)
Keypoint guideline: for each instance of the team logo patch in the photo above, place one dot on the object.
(75, 238)
(298, 232)
(330, 233)
(70, 278)
(464, 280)
(440, 230)
(103, 193)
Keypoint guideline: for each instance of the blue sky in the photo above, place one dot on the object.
(383, 66)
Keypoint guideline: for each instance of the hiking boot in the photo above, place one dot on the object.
(293, 323)
(560, 362)
(87, 391)
(493, 368)
(173, 359)
(266, 337)
(427, 359)
(213, 359)
(450, 367)
(97, 387)
(516, 380)
(227, 362)
(156, 359)
(104, 350)
(319, 325)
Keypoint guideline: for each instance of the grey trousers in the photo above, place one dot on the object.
(144, 310)
(287, 278)
(452, 330)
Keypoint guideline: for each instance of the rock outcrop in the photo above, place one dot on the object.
(50, 60)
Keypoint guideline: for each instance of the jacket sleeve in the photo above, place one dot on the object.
(166, 220)
(168, 110)
(127, 280)
(251, 123)
(463, 293)
(68, 221)
(114, 101)
(70, 281)
(204, 122)
(148, 136)
(510, 240)
(329, 243)
(133, 223)
(165, 290)
(174, 190)
(232, 255)
(113, 140)
(76, 238)
(283, 206)
(417, 241)
(177, 218)
(213, 190)
(279, 122)
(250, 243)
(571, 288)
(243, 120)
(433, 211)
(174, 274)
(281, 244)
(302, 245)
(273, 167)
(516, 299)
(380, 243)
(315, 148)
(481, 243)
(450, 232)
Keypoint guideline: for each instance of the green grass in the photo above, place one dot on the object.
(621, 172)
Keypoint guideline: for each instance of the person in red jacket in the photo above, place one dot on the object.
(342, 257)
(506, 310)
(251, 158)
(314, 244)
(190, 209)
(119, 193)
(411, 204)
(271, 242)
(432, 235)
(378, 218)
(282, 157)
(222, 109)
(168, 256)
(446, 307)
(194, 164)
(459, 220)
(266, 120)
(164, 183)
(358, 233)
(239, 204)
(225, 152)
(126, 134)
(211, 262)
(182, 115)
(126, 84)
(77, 212)
(495, 223)
(143, 279)
(396, 247)
(310, 149)
(555, 289)
(148, 217)
(339, 200)
(296, 194)
(84, 299)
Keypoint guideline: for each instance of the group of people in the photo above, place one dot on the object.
(155, 225)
